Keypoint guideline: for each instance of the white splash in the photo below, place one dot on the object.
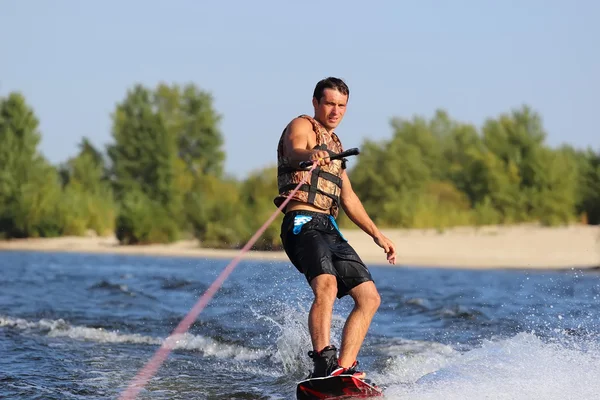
(292, 339)
(520, 368)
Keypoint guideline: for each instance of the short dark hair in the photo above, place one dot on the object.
(330, 83)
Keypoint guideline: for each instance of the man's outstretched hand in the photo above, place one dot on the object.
(388, 247)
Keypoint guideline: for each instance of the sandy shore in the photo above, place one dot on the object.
(488, 247)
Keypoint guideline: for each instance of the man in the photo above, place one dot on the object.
(310, 235)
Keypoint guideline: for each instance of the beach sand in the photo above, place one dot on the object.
(523, 246)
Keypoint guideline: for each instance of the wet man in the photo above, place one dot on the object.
(310, 234)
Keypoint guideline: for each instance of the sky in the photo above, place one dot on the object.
(260, 60)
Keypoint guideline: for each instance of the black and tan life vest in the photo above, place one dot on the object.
(323, 187)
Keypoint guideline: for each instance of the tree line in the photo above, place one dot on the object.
(162, 177)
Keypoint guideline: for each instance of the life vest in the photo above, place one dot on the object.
(323, 187)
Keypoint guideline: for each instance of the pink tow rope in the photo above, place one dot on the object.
(140, 380)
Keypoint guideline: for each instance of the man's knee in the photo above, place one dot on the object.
(372, 301)
(367, 297)
(324, 287)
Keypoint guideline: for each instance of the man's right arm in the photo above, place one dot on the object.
(299, 138)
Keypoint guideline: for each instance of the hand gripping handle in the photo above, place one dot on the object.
(350, 152)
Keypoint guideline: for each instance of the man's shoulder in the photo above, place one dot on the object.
(302, 120)
(300, 123)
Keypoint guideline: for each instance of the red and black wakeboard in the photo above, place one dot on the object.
(336, 387)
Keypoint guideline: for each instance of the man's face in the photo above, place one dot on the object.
(331, 108)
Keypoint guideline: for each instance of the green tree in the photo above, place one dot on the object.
(553, 196)
(543, 181)
(589, 201)
(217, 214)
(440, 172)
(256, 194)
(29, 185)
(167, 141)
(191, 118)
(387, 177)
(143, 167)
(88, 202)
(492, 183)
(192, 121)
(404, 181)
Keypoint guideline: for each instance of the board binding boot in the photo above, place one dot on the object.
(331, 381)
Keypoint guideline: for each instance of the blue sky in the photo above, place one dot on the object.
(74, 60)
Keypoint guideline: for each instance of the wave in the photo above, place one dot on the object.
(187, 341)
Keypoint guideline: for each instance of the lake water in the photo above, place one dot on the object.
(81, 326)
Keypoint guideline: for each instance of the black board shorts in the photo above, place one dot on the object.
(315, 246)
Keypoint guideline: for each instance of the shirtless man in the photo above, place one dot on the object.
(310, 235)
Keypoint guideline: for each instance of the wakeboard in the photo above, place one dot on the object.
(336, 388)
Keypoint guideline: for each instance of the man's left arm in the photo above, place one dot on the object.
(355, 210)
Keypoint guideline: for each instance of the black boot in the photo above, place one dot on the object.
(325, 361)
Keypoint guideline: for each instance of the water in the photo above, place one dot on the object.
(77, 326)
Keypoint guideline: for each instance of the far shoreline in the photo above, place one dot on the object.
(494, 247)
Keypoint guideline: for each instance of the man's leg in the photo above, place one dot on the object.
(324, 287)
(366, 302)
